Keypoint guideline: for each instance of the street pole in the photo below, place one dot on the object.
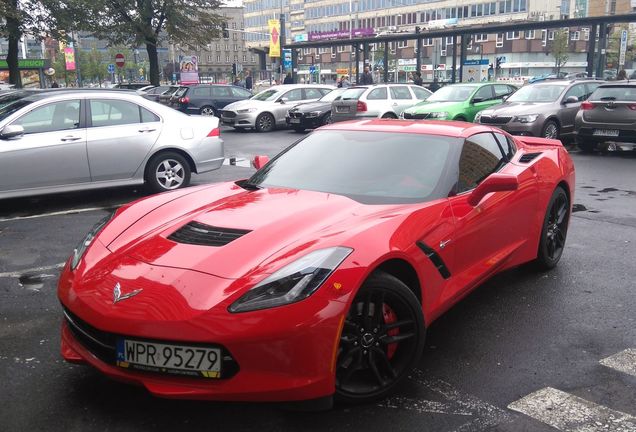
(77, 61)
(351, 38)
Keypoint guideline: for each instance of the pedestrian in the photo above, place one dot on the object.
(248, 81)
(339, 85)
(417, 79)
(622, 75)
(345, 81)
(55, 85)
(288, 79)
(236, 82)
(434, 85)
(366, 78)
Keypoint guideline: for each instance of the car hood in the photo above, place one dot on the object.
(517, 108)
(427, 107)
(248, 103)
(279, 225)
(313, 106)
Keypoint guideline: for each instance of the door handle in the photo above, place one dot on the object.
(70, 138)
(147, 129)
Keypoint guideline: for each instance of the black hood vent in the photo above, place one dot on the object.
(196, 233)
(529, 157)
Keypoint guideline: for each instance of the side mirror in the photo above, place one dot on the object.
(12, 131)
(505, 98)
(571, 99)
(477, 100)
(493, 183)
(259, 161)
(281, 100)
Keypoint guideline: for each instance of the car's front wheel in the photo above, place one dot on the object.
(265, 122)
(381, 341)
(208, 111)
(550, 130)
(167, 171)
(554, 230)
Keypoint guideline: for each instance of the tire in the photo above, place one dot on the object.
(299, 130)
(208, 111)
(167, 171)
(372, 362)
(265, 122)
(554, 230)
(326, 119)
(550, 130)
(586, 146)
(389, 116)
(459, 118)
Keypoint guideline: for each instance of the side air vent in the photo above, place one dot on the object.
(435, 259)
(529, 157)
(196, 233)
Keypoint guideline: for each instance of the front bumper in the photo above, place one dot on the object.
(239, 120)
(303, 122)
(514, 128)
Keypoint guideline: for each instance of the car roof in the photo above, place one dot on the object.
(619, 84)
(565, 81)
(429, 127)
(44, 94)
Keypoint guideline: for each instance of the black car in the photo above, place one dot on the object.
(311, 115)
(160, 93)
(207, 99)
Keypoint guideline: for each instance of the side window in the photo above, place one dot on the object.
(481, 156)
(312, 93)
(324, 91)
(506, 144)
(53, 117)
(501, 90)
(484, 93)
(377, 94)
(578, 91)
(400, 92)
(293, 95)
(201, 92)
(512, 89)
(106, 112)
(590, 88)
(220, 92)
(148, 116)
(240, 93)
(420, 93)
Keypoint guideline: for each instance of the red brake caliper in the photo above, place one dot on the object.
(389, 318)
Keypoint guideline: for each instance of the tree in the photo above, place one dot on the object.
(560, 49)
(148, 22)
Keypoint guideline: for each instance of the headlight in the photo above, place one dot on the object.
(312, 114)
(528, 118)
(79, 251)
(246, 110)
(438, 115)
(477, 117)
(294, 282)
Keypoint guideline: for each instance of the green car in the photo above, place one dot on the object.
(459, 101)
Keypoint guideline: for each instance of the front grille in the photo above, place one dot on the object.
(529, 157)
(103, 345)
(494, 120)
(416, 116)
(228, 114)
(295, 114)
(196, 233)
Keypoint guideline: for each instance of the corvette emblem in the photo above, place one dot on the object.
(117, 296)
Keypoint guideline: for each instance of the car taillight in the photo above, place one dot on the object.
(361, 106)
(587, 106)
(184, 100)
(632, 107)
(215, 132)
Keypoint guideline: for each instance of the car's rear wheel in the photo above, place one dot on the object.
(167, 171)
(554, 230)
(381, 341)
(550, 130)
(586, 146)
(208, 111)
(389, 116)
(460, 118)
(265, 122)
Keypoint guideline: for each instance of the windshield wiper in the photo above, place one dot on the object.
(245, 184)
(608, 98)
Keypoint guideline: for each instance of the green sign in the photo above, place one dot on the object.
(25, 64)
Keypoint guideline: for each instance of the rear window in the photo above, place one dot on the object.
(615, 93)
(181, 91)
(352, 94)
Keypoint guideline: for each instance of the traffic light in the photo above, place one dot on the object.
(234, 69)
(225, 31)
(417, 29)
(498, 66)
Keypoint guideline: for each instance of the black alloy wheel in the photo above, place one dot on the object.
(381, 341)
(208, 111)
(265, 122)
(555, 229)
(550, 130)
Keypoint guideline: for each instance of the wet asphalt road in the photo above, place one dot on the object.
(516, 334)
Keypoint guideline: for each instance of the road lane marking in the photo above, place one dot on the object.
(34, 270)
(624, 361)
(60, 213)
(570, 413)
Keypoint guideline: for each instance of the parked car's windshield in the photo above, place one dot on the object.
(537, 93)
(8, 109)
(267, 95)
(332, 95)
(348, 162)
(452, 93)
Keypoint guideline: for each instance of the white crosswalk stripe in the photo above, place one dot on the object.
(570, 413)
(624, 361)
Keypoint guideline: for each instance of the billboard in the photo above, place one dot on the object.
(189, 67)
(274, 37)
(69, 58)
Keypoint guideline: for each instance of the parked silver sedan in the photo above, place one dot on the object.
(268, 109)
(72, 140)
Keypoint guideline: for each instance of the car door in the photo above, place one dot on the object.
(52, 151)
(487, 234)
(421, 94)
(120, 134)
(288, 100)
(199, 97)
(501, 91)
(221, 96)
(568, 110)
(482, 99)
(401, 99)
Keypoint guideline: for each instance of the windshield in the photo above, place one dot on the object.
(452, 93)
(537, 93)
(332, 95)
(7, 109)
(353, 93)
(369, 167)
(618, 93)
(267, 95)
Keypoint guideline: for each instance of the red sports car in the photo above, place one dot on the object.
(318, 276)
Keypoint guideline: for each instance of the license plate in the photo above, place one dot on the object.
(294, 120)
(342, 109)
(167, 358)
(606, 132)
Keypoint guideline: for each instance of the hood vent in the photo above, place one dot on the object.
(529, 157)
(196, 233)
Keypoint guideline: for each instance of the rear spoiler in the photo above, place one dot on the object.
(536, 141)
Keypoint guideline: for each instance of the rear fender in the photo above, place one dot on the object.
(537, 141)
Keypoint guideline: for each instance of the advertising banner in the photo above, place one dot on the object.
(69, 58)
(287, 59)
(189, 67)
(341, 34)
(274, 37)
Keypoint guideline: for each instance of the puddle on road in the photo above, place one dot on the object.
(33, 282)
(610, 189)
(578, 208)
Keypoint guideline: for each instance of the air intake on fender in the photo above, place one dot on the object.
(529, 157)
(196, 233)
